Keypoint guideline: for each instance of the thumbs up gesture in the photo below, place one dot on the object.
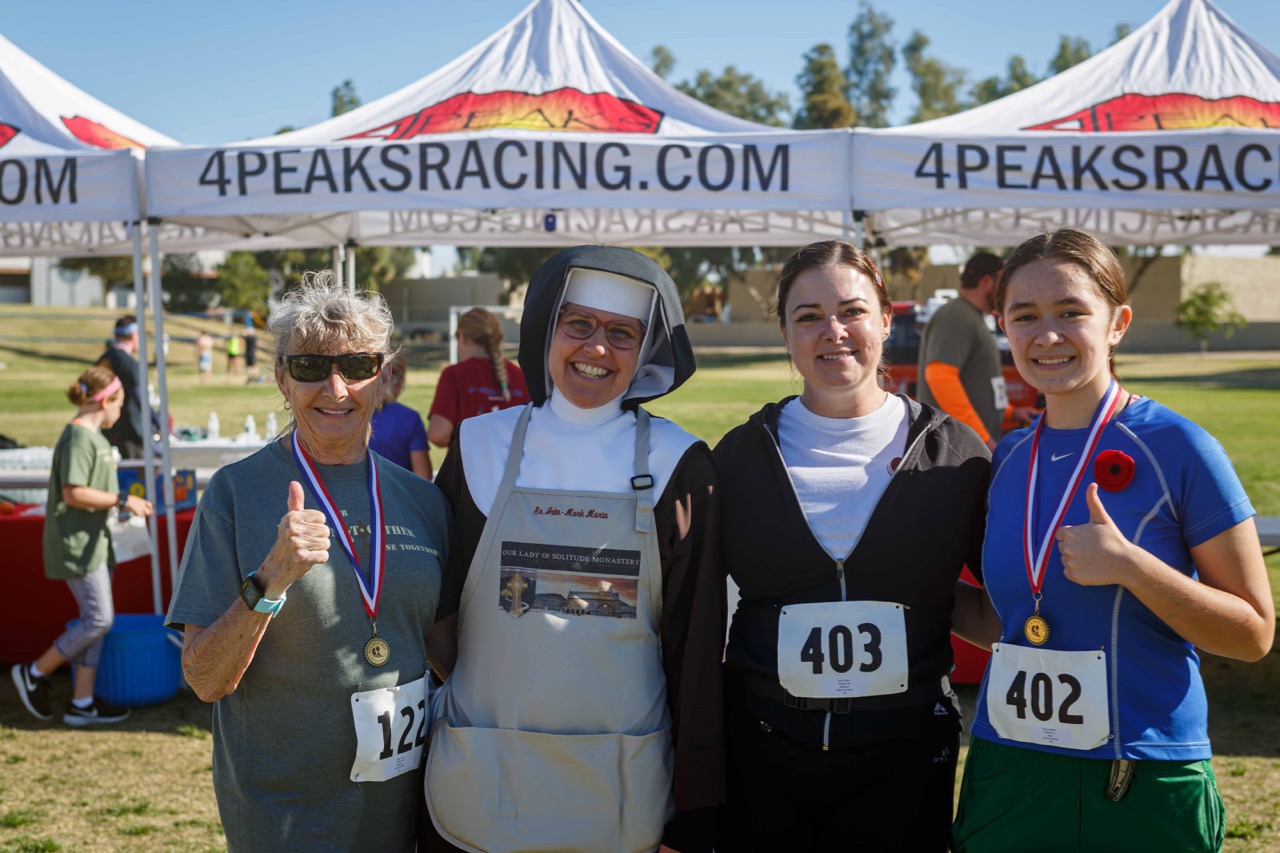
(1094, 554)
(302, 541)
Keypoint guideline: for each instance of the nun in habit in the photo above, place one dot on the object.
(582, 710)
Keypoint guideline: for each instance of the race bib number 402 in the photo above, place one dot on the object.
(1048, 697)
(842, 648)
(391, 730)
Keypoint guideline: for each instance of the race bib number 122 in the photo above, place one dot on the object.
(391, 730)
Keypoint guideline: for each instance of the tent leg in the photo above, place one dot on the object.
(166, 459)
(350, 251)
(338, 265)
(453, 334)
(844, 228)
(148, 457)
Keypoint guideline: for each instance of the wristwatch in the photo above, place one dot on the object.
(122, 500)
(254, 597)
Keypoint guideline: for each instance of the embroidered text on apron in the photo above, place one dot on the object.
(554, 732)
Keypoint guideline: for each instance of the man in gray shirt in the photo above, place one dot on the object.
(959, 369)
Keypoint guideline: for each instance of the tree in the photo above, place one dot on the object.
(242, 282)
(1122, 31)
(904, 267)
(1208, 309)
(186, 287)
(739, 94)
(872, 55)
(935, 83)
(1017, 77)
(112, 272)
(662, 61)
(822, 86)
(343, 98)
(1071, 51)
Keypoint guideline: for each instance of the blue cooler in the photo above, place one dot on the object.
(141, 661)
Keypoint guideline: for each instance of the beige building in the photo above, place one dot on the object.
(420, 306)
(1254, 284)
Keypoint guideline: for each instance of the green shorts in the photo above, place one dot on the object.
(1019, 800)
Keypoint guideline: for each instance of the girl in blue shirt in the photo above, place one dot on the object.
(1119, 541)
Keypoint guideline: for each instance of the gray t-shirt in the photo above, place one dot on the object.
(957, 335)
(285, 740)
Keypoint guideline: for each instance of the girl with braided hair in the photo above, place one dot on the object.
(482, 380)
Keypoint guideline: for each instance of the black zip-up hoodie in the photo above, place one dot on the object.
(927, 525)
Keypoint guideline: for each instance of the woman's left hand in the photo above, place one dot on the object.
(1094, 554)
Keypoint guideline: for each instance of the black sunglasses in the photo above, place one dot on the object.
(354, 366)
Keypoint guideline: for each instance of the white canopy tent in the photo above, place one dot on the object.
(547, 133)
(1168, 136)
(68, 177)
(69, 186)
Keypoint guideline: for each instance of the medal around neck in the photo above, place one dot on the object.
(1036, 630)
(376, 651)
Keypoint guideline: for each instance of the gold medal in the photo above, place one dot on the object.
(376, 651)
(1036, 629)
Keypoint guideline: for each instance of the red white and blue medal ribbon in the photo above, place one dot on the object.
(1037, 563)
(370, 588)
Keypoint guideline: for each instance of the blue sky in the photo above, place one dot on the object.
(234, 69)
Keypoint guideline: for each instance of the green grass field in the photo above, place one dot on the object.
(146, 785)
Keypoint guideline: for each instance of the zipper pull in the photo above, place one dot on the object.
(840, 575)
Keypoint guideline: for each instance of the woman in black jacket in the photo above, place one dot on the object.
(848, 514)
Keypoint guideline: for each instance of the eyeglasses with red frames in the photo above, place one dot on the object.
(354, 366)
(581, 326)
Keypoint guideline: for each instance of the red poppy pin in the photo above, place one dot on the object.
(1113, 470)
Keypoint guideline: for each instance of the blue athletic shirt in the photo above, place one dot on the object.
(397, 430)
(1184, 492)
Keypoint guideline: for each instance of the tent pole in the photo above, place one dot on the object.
(166, 460)
(453, 334)
(337, 264)
(858, 236)
(148, 458)
(350, 251)
(844, 227)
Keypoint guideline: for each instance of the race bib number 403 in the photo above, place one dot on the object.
(391, 730)
(842, 648)
(1048, 697)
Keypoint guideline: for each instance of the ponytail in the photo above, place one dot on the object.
(90, 383)
(483, 328)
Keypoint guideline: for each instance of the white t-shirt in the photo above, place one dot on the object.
(841, 466)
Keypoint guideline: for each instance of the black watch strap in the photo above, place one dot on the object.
(122, 500)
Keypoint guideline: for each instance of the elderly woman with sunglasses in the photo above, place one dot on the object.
(307, 590)
(583, 709)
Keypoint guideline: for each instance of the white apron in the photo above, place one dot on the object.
(554, 733)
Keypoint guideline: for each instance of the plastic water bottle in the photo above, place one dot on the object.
(273, 428)
(250, 428)
(214, 430)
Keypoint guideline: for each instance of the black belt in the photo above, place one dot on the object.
(769, 688)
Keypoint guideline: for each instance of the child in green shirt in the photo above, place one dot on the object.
(77, 549)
